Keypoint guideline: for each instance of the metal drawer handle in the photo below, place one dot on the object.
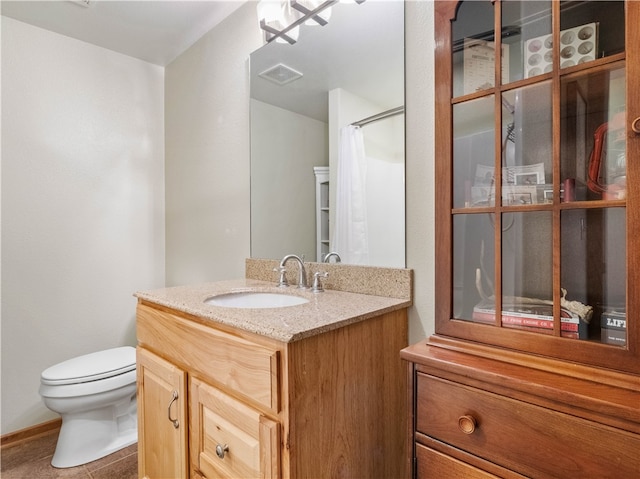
(635, 125)
(221, 450)
(467, 424)
(175, 422)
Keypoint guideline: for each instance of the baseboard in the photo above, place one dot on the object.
(13, 438)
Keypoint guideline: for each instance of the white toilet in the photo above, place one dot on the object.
(96, 396)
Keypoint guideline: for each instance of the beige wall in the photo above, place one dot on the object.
(419, 80)
(82, 204)
(207, 153)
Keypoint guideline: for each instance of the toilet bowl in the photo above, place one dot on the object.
(96, 396)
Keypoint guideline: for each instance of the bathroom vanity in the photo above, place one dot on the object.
(312, 390)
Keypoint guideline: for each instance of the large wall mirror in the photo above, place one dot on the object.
(327, 139)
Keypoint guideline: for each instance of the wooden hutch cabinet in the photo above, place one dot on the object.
(534, 368)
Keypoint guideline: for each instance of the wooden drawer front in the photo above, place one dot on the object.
(220, 421)
(528, 439)
(240, 365)
(435, 465)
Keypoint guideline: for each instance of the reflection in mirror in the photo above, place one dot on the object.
(306, 102)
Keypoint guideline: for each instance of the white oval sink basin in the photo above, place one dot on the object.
(255, 299)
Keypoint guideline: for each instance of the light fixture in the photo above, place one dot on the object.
(276, 18)
(306, 7)
(280, 19)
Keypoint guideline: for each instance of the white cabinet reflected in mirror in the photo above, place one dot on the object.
(350, 70)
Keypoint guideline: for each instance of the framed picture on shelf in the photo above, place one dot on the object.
(519, 195)
(528, 178)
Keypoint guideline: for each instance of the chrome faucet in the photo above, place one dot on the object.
(328, 256)
(302, 273)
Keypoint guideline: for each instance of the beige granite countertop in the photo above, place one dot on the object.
(323, 312)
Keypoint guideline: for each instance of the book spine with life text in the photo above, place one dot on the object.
(613, 328)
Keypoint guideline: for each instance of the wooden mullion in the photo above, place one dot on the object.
(497, 268)
(556, 216)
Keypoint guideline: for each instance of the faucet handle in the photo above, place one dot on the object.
(282, 281)
(317, 285)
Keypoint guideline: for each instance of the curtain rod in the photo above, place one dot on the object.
(380, 116)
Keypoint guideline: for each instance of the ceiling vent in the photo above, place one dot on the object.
(281, 74)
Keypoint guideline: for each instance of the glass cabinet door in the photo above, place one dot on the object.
(535, 222)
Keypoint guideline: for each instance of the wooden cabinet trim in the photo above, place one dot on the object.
(241, 366)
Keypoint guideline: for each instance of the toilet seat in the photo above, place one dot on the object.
(91, 367)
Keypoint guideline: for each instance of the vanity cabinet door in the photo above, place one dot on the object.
(230, 439)
(162, 418)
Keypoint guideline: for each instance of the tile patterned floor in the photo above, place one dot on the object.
(31, 459)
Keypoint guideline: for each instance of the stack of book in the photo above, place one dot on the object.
(532, 316)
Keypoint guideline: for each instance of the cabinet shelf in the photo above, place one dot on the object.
(569, 205)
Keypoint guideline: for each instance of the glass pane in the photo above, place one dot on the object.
(473, 265)
(527, 271)
(473, 153)
(526, 38)
(593, 268)
(527, 142)
(590, 30)
(473, 47)
(593, 142)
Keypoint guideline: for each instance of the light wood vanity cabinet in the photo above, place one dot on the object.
(534, 367)
(329, 405)
(162, 408)
(231, 439)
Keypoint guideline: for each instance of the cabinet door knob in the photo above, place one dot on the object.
(467, 424)
(221, 450)
(174, 397)
(635, 125)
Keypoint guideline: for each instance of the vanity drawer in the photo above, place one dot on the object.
(433, 464)
(239, 365)
(230, 439)
(528, 439)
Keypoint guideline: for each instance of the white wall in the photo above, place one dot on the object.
(82, 204)
(207, 153)
(285, 146)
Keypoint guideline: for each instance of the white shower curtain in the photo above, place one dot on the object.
(350, 235)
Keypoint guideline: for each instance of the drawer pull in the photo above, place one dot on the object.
(221, 450)
(635, 126)
(175, 422)
(467, 424)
